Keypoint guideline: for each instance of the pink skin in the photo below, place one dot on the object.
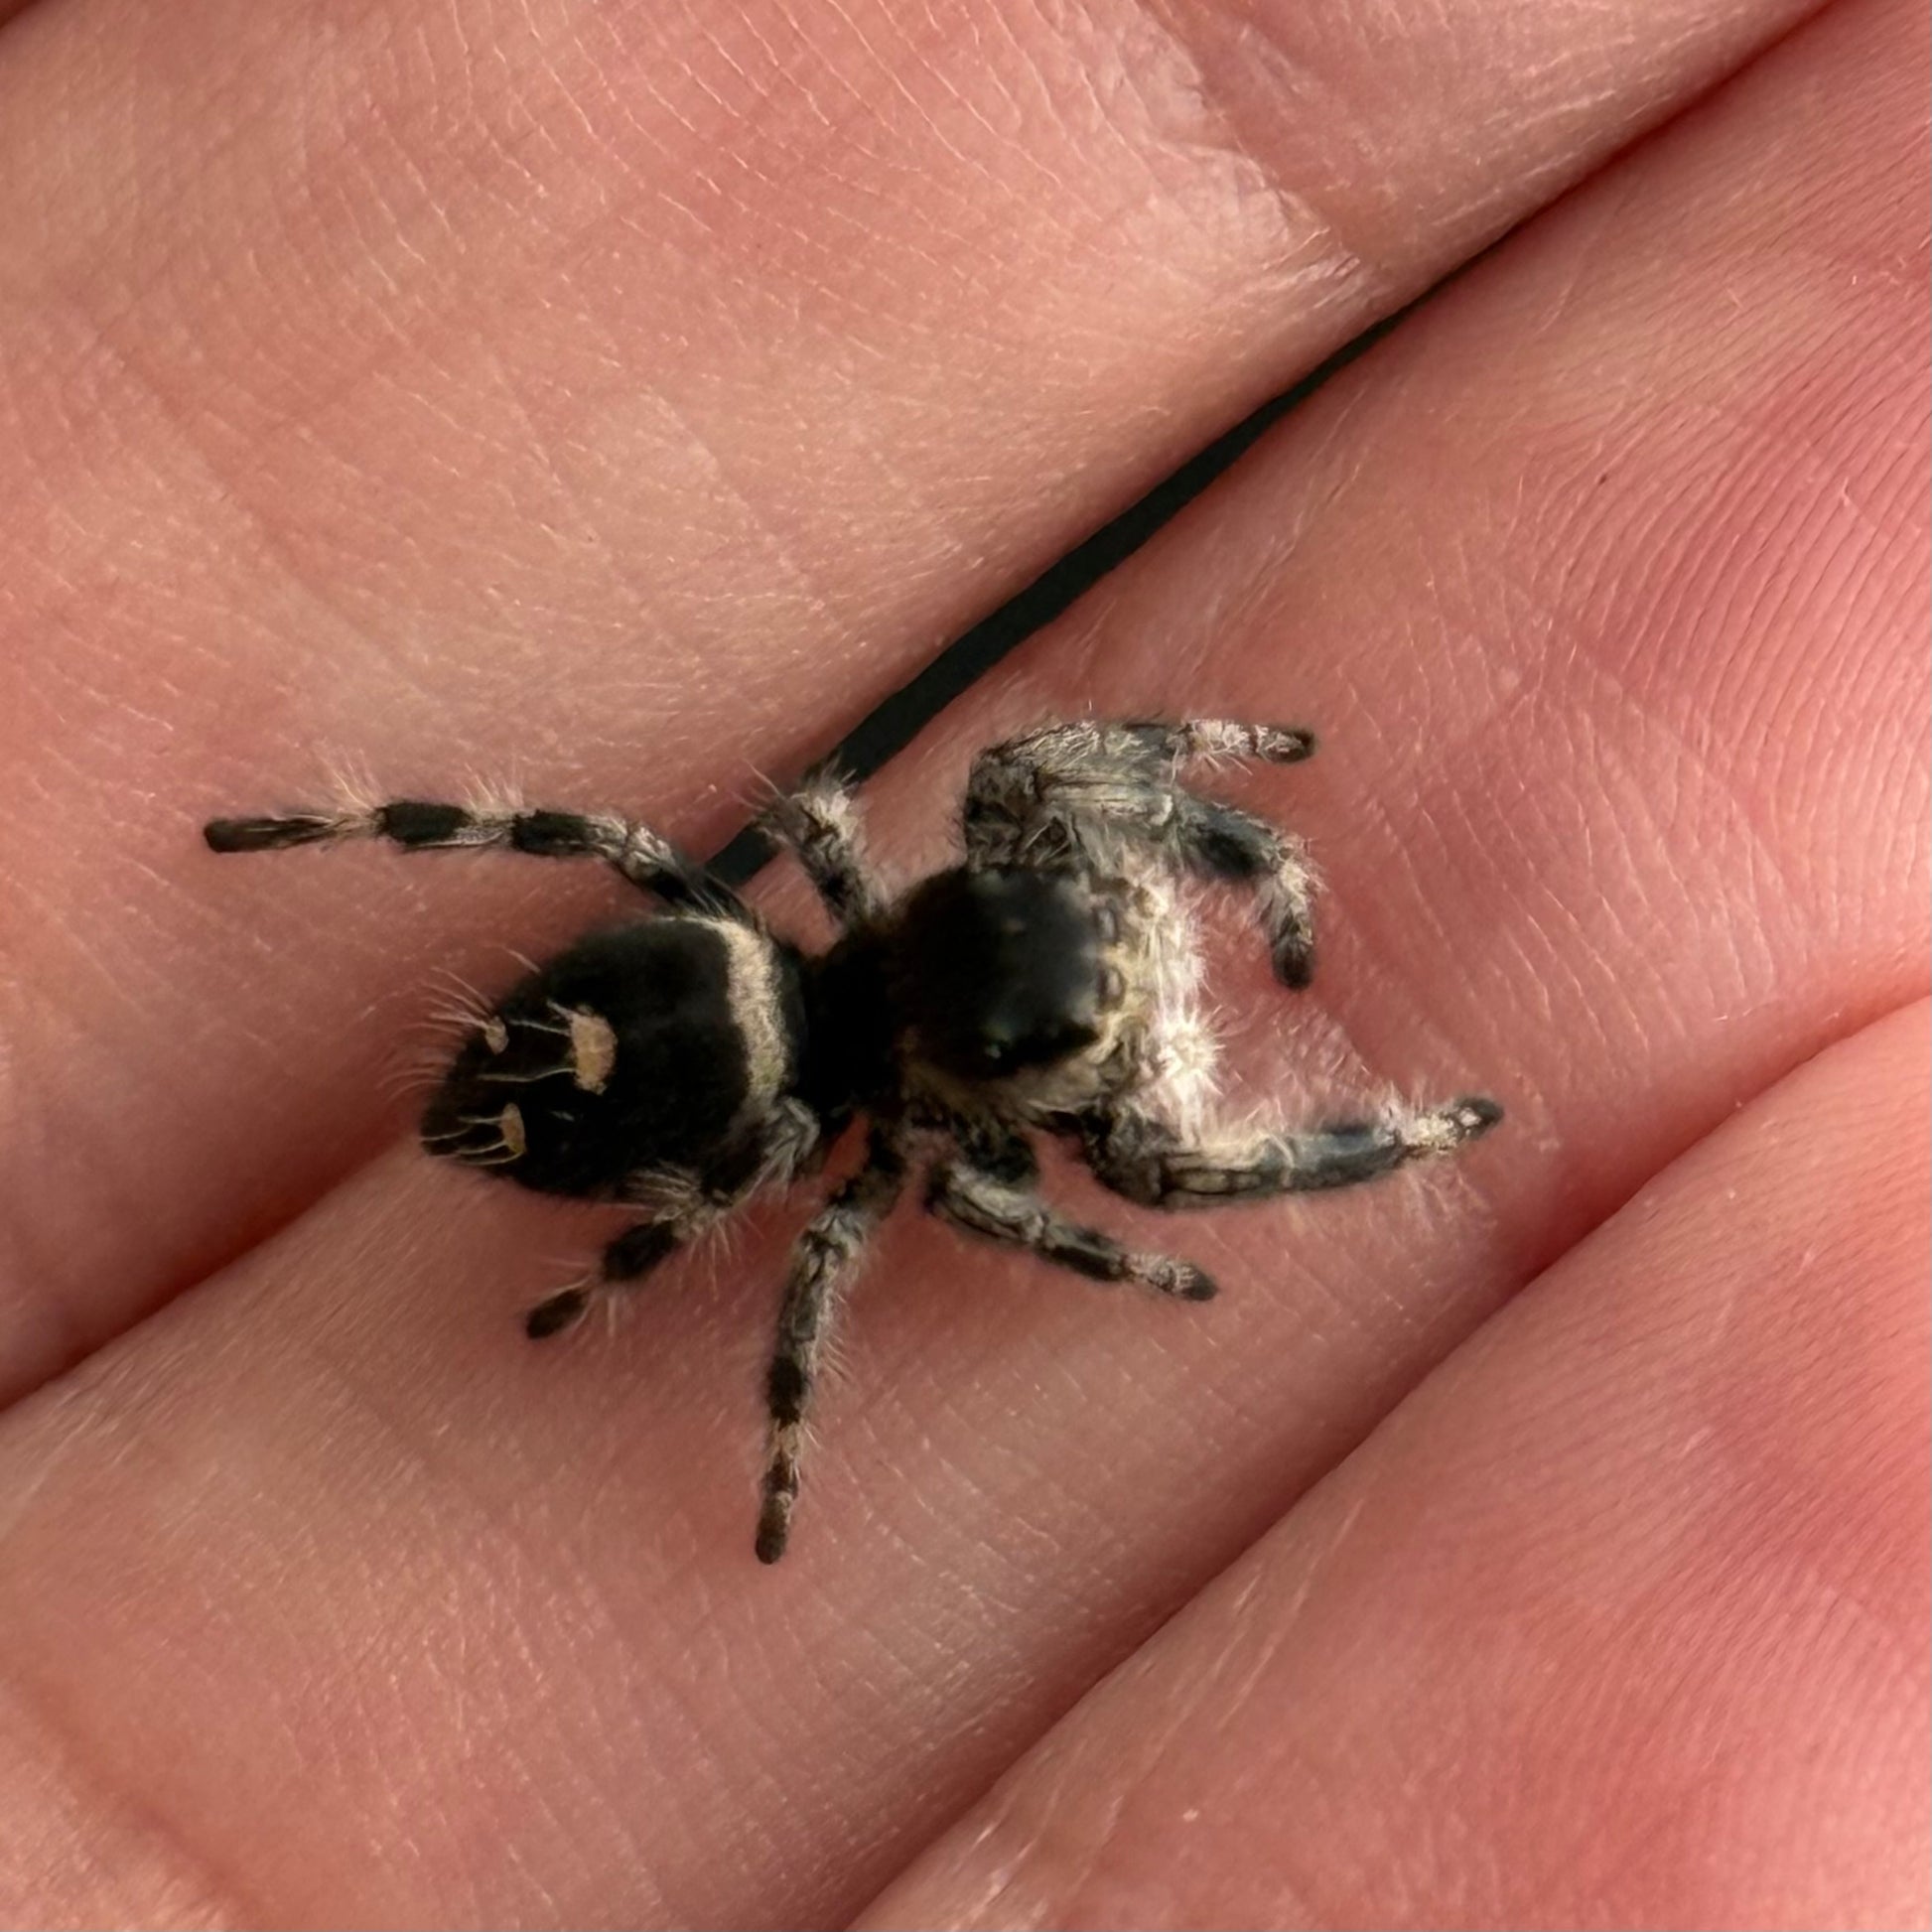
(495, 387)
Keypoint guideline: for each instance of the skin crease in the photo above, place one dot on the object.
(327, 1600)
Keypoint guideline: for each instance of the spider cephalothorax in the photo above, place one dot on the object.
(1047, 984)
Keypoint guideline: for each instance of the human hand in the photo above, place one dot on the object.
(623, 399)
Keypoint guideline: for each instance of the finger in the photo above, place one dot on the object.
(339, 1473)
(1620, 1620)
(619, 396)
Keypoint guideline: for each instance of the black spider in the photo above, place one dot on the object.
(1050, 982)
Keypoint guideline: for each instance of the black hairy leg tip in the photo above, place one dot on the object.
(265, 834)
(551, 1316)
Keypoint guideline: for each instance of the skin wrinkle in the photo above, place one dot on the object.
(1609, 668)
(1138, 153)
(578, 1588)
(579, 511)
(1765, 870)
(1771, 698)
(782, 545)
(1264, 1630)
(306, 584)
(783, 548)
(1030, 1835)
(892, 77)
(41, 1699)
(36, 1316)
(205, 1897)
(847, 130)
(1381, 926)
(1308, 227)
(1854, 491)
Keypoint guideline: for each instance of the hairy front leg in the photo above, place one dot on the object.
(1145, 1160)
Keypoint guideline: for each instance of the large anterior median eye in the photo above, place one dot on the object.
(1039, 1046)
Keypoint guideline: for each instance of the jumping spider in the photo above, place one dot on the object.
(1046, 984)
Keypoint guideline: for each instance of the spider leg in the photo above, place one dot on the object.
(1234, 739)
(1081, 791)
(1073, 791)
(1017, 1215)
(627, 1261)
(643, 857)
(822, 1260)
(1147, 1162)
(1144, 749)
(988, 1144)
(1227, 842)
(819, 823)
(1033, 791)
(680, 1206)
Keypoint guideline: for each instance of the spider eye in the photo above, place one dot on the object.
(1002, 1051)
(1066, 1040)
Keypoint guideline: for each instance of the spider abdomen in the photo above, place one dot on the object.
(642, 1047)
